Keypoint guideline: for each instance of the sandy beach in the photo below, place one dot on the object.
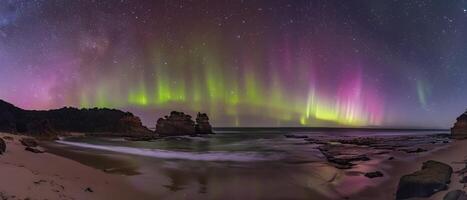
(30, 175)
(27, 175)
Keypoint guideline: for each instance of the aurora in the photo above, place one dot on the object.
(249, 64)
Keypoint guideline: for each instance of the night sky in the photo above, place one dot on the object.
(245, 63)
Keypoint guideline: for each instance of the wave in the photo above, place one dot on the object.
(182, 155)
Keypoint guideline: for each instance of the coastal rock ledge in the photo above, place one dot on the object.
(459, 130)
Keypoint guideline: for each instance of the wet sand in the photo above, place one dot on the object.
(27, 175)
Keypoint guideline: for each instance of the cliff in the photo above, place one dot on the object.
(459, 130)
(50, 122)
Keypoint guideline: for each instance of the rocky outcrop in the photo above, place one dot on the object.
(176, 124)
(202, 124)
(179, 123)
(51, 122)
(433, 177)
(459, 130)
(455, 195)
(2, 146)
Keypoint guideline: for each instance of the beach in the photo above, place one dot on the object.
(65, 171)
(27, 175)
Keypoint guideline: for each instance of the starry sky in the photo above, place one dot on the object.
(364, 63)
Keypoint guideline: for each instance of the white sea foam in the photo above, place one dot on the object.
(183, 155)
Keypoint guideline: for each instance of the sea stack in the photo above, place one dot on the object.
(459, 130)
(202, 124)
(179, 124)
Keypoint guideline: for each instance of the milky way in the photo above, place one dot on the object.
(245, 63)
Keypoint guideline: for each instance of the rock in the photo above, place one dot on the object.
(455, 195)
(34, 150)
(433, 177)
(28, 142)
(296, 136)
(391, 158)
(2, 146)
(202, 124)
(179, 124)
(68, 119)
(374, 174)
(88, 189)
(459, 130)
(176, 124)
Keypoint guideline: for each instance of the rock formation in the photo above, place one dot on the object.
(179, 123)
(2, 146)
(455, 195)
(176, 124)
(49, 123)
(202, 124)
(433, 177)
(459, 130)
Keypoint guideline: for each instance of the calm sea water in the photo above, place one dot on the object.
(233, 163)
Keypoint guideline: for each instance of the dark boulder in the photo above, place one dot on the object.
(374, 174)
(433, 177)
(455, 195)
(2, 146)
(202, 124)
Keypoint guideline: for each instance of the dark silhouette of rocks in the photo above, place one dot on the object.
(433, 177)
(34, 150)
(28, 142)
(176, 124)
(51, 122)
(202, 124)
(179, 124)
(455, 195)
(459, 130)
(2, 146)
